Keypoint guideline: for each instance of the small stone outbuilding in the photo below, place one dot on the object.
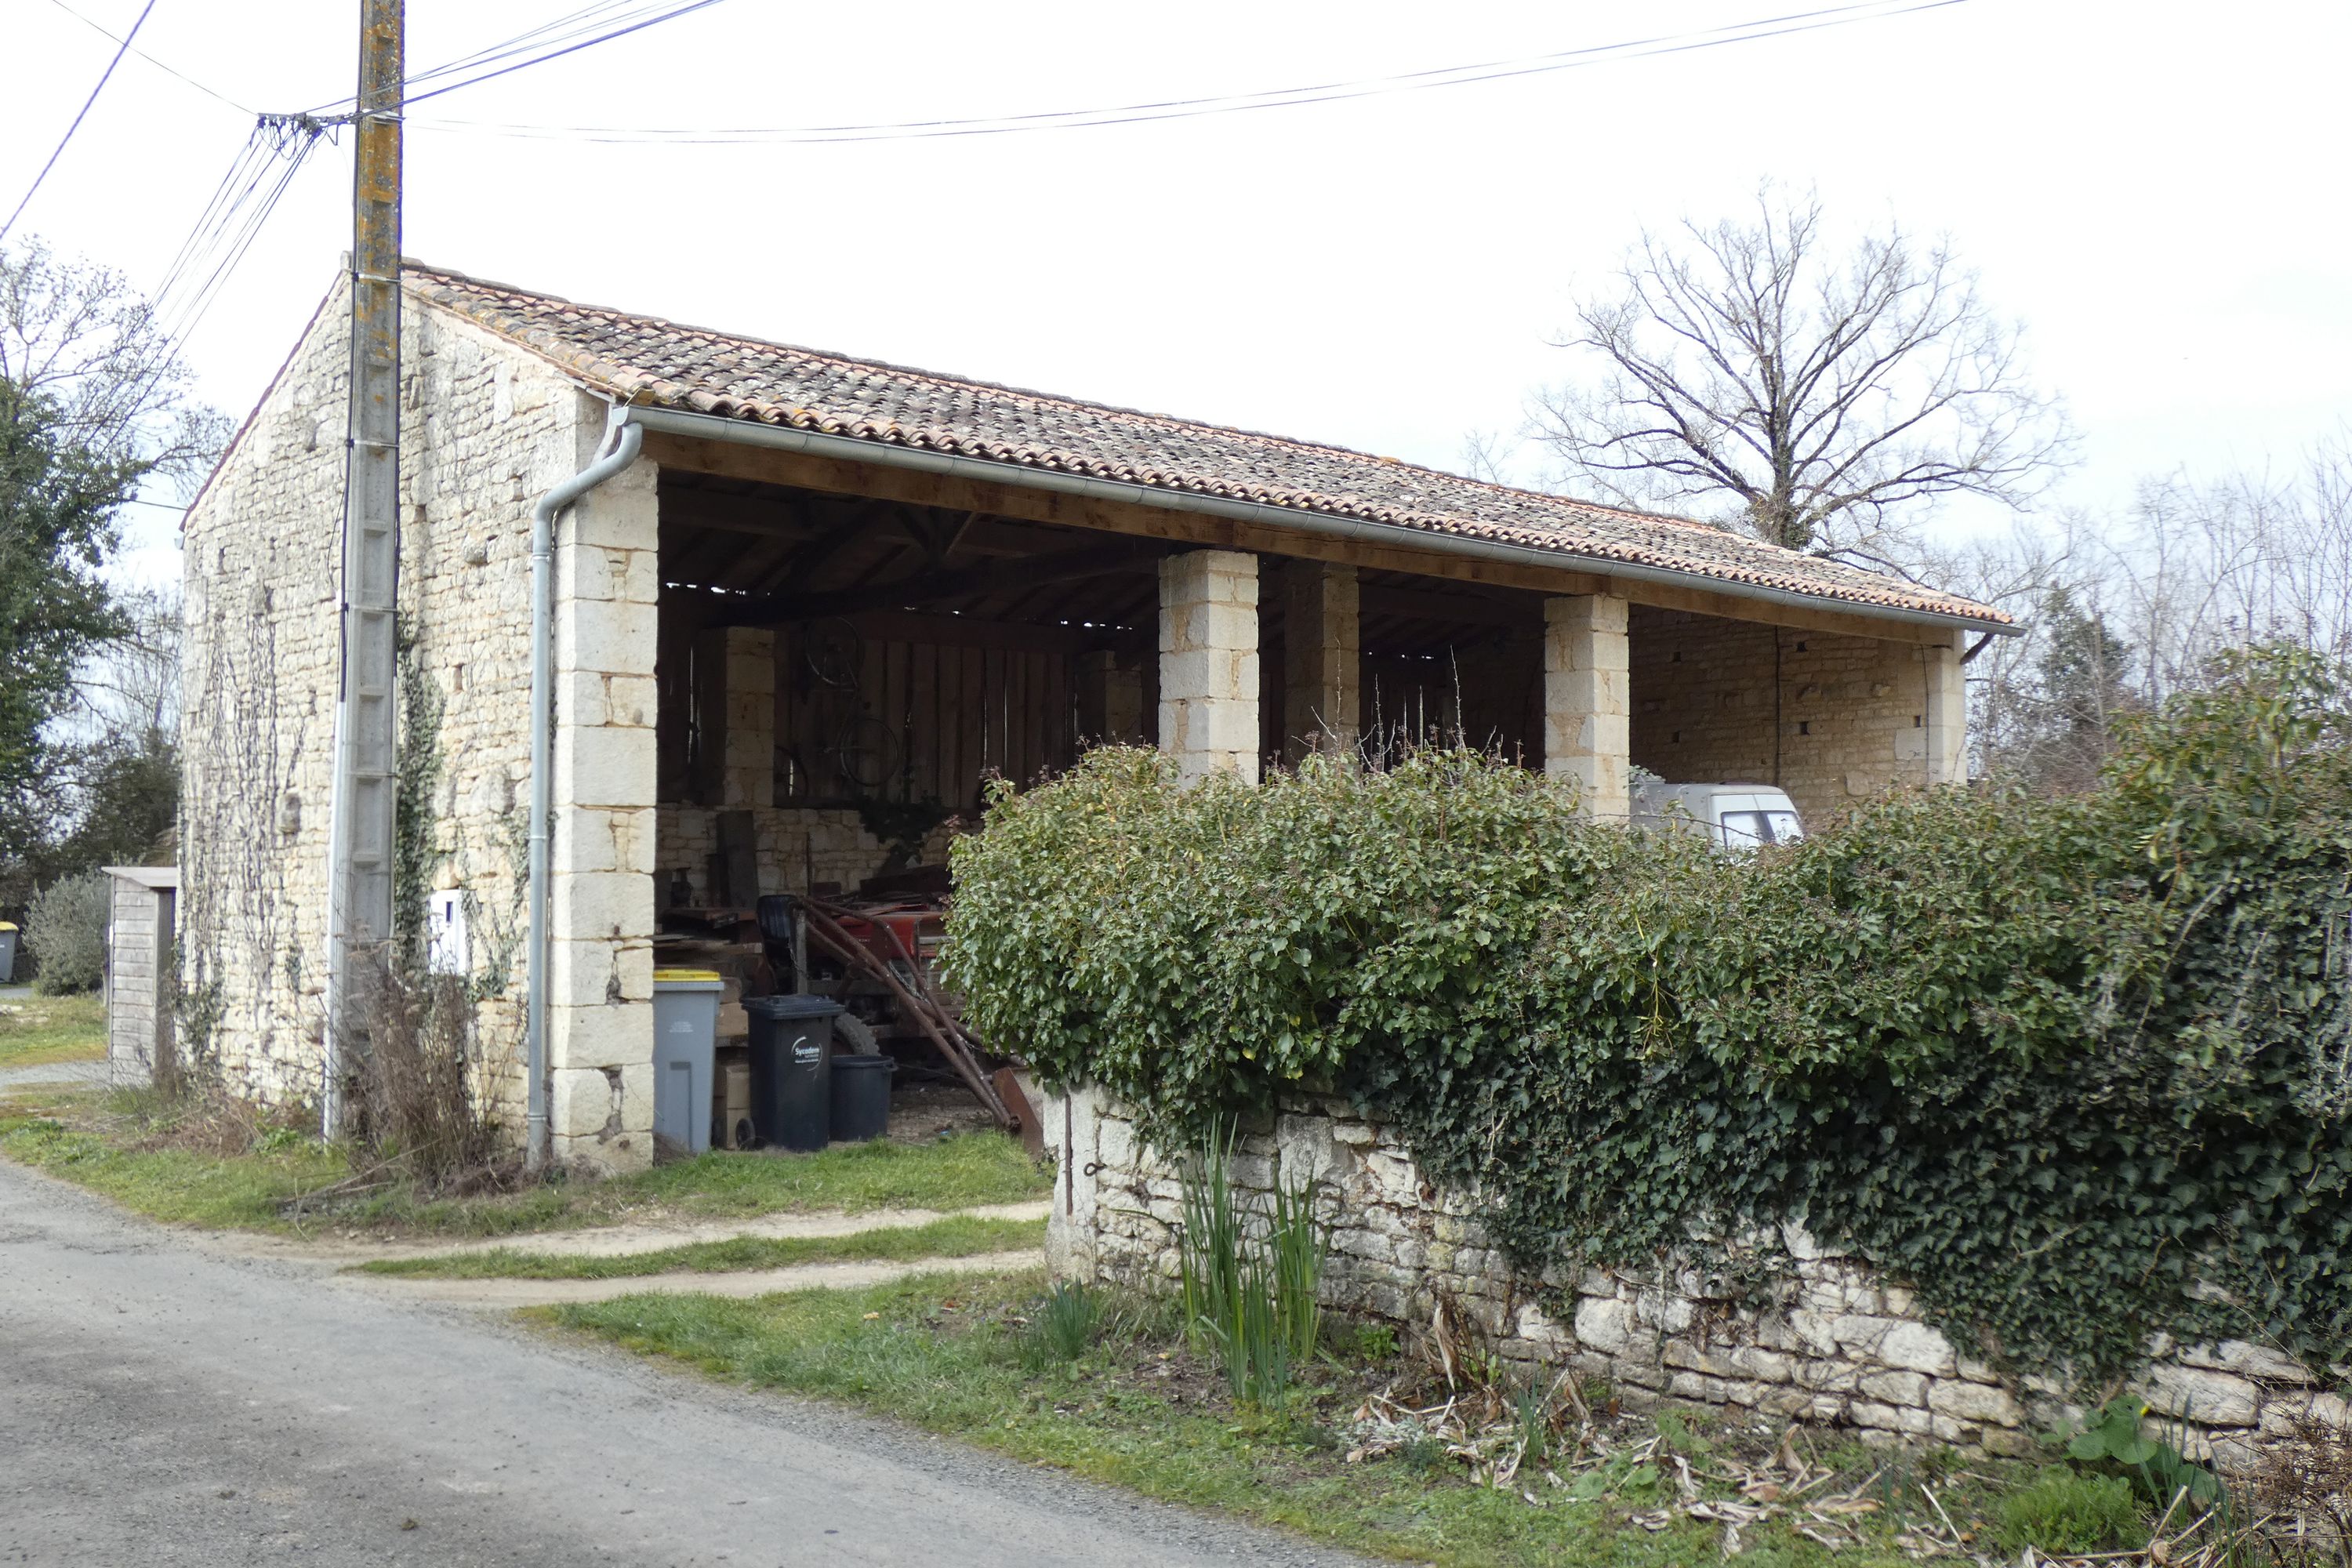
(831, 597)
(142, 1020)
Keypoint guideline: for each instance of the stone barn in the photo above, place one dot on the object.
(805, 605)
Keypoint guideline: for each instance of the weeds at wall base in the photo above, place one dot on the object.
(1368, 1458)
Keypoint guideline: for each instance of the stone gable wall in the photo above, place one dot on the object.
(485, 429)
(1830, 1343)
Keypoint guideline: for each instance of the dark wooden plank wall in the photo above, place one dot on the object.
(1488, 695)
(927, 722)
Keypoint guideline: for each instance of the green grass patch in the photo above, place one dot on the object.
(37, 1030)
(970, 1170)
(950, 1354)
(2068, 1511)
(221, 1164)
(166, 1183)
(961, 1236)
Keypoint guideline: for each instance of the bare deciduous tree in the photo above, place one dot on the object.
(79, 341)
(1823, 395)
(2123, 610)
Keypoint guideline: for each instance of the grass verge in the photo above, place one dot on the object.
(961, 1236)
(947, 1354)
(970, 1170)
(35, 1031)
(223, 1165)
(162, 1180)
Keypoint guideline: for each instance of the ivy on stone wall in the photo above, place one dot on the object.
(418, 764)
(2080, 1070)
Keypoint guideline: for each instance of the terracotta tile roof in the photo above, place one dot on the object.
(647, 360)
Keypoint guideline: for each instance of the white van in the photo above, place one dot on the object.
(1732, 816)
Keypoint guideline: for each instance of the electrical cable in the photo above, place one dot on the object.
(692, 6)
(552, 39)
(150, 59)
(104, 76)
(291, 151)
(1232, 104)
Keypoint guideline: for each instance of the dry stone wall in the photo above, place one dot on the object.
(1792, 1330)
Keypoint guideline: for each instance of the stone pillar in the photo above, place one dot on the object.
(1110, 698)
(1208, 663)
(1588, 699)
(1322, 659)
(1947, 716)
(748, 774)
(601, 894)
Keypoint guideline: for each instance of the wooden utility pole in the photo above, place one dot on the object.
(360, 874)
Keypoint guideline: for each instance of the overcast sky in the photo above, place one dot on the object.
(2154, 189)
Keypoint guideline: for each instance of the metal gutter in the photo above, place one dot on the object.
(747, 433)
(621, 443)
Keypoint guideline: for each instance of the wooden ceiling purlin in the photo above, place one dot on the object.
(923, 588)
(1002, 500)
(810, 558)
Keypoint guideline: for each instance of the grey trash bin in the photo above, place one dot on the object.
(686, 1031)
(7, 953)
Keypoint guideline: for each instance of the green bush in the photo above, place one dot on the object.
(2060, 1064)
(65, 929)
(2062, 1510)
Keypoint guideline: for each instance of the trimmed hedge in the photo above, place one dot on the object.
(2079, 1069)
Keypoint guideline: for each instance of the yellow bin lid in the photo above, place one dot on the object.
(687, 975)
(7, 925)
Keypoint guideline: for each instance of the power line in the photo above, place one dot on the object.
(104, 76)
(552, 39)
(1231, 103)
(557, 54)
(150, 59)
(273, 154)
(257, 180)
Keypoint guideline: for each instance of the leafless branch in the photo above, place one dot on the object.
(1818, 400)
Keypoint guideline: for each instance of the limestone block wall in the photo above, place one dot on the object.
(1832, 718)
(795, 846)
(1586, 698)
(1834, 1345)
(1209, 682)
(486, 429)
(258, 654)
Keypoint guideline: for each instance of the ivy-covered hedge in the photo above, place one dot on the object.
(2080, 1070)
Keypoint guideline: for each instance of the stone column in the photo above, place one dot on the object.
(1322, 659)
(1208, 663)
(1588, 699)
(1947, 717)
(748, 776)
(600, 897)
(1110, 698)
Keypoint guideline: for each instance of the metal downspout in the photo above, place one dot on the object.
(621, 444)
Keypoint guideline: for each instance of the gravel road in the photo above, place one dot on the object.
(163, 1401)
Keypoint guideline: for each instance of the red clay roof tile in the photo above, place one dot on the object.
(645, 359)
